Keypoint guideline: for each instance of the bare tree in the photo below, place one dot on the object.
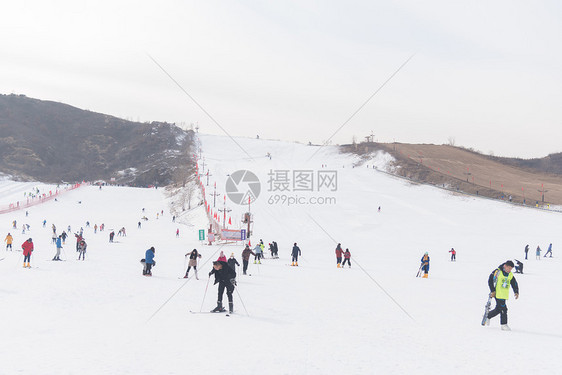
(451, 141)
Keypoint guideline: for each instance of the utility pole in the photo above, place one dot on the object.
(542, 191)
(224, 211)
(208, 175)
(467, 173)
(214, 195)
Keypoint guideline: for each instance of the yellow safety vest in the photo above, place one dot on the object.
(502, 284)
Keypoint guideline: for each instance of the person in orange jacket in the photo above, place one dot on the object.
(9, 239)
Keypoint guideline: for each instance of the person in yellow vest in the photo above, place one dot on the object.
(499, 282)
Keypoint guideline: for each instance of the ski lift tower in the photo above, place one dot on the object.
(248, 219)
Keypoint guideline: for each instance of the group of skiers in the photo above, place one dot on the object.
(538, 252)
(346, 255)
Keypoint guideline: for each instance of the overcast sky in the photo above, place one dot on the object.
(487, 74)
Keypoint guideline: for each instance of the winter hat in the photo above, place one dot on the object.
(509, 263)
(426, 253)
(152, 248)
(29, 240)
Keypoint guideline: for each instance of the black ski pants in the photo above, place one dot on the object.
(229, 289)
(188, 268)
(338, 259)
(346, 260)
(501, 308)
(245, 266)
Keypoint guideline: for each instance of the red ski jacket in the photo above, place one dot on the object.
(27, 248)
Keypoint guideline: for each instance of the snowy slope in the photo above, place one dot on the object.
(102, 316)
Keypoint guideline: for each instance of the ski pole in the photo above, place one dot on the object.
(201, 309)
(239, 296)
(419, 270)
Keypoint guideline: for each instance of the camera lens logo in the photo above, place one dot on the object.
(242, 186)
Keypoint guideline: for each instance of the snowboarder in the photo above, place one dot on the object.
(226, 278)
(9, 239)
(27, 247)
(149, 261)
(499, 281)
(425, 265)
(339, 254)
(82, 250)
(295, 253)
(232, 262)
(538, 253)
(246, 258)
(526, 251)
(518, 267)
(222, 257)
(347, 258)
(193, 256)
(453, 254)
(59, 246)
(548, 251)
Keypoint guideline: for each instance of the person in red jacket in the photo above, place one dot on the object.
(339, 254)
(347, 258)
(27, 247)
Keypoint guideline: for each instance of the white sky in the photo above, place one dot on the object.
(486, 73)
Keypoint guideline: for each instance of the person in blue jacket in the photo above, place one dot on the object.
(149, 261)
(549, 251)
(59, 246)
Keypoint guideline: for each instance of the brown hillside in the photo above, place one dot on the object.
(469, 172)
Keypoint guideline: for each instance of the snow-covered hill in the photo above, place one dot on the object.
(102, 316)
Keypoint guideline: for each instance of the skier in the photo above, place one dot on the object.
(27, 247)
(59, 246)
(9, 239)
(95, 228)
(82, 250)
(518, 267)
(192, 263)
(548, 251)
(44, 223)
(111, 236)
(453, 255)
(78, 239)
(232, 262)
(347, 258)
(295, 253)
(246, 258)
(258, 250)
(222, 257)
(276, 250)
(339, 254)
(272, 250)
(225, 277)
(149, 261)
(425, 265)
(538, 253)
(178, 232)
(262, 246)
(526, 251)
(499, 281)
(139, 225)
(64, 235)
(54, 238)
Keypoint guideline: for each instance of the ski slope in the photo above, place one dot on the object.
(102, 316)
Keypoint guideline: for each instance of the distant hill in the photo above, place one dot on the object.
(54, 142)
(457, 168)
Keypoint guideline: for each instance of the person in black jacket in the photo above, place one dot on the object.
(225, 277)
(232, 262)
(295, 253)
(499, 282)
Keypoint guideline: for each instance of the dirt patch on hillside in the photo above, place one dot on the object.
(459, 169)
